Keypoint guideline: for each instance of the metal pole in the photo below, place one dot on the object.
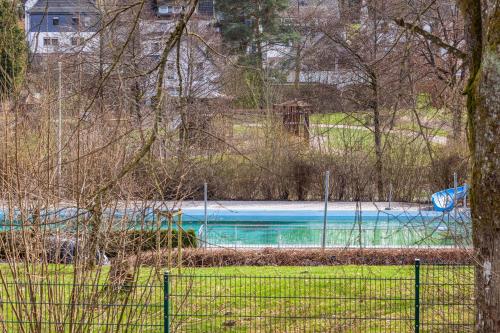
(327, 183)
(390, 197)
(205, 197)
(465, 196)
(417, 295)
(59, 133)
(166, 303)
(180, 242)
(455, 185)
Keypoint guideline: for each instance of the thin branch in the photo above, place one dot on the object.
(430, 37)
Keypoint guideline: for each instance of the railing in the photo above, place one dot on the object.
(418, 298)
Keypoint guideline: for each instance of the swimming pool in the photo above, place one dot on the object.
(302, 227)
(282, 228)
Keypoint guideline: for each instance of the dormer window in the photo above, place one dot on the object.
(75, 20)
(165, 10)
(55, 21)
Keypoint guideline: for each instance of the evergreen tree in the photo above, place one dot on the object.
(249, 28)
(13, 48)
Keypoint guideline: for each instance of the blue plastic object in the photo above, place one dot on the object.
(444, 201)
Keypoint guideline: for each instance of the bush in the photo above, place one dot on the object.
(146, 240)
(132, 241)
(129, 241)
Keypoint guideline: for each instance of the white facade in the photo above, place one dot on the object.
(339, 78)
(198, 71)
(62, 42)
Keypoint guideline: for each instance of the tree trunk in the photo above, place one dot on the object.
(378, 155)
(485, 140)
(298, 67)
(377, 132)
(457, 121)
(261, 73)
(483, 100)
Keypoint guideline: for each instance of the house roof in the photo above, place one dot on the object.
(64, 6)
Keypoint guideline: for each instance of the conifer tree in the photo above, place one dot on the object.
(13, 48)
(249, 28)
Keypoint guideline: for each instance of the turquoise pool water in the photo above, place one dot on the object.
(344, 228)
(304, 228)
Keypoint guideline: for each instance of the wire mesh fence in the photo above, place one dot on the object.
(45, 306)
(414, 298)
(427, 299)
(447, 298)
(291, 304)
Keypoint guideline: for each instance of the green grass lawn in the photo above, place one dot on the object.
(427, 131)
(362, 139)
(258, 299)
(342, 138)
(339, 118)
(363, 118)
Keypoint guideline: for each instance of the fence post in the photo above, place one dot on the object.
(166, 303)
(205, 200)
(325, 216)
(417, 295)
(465, 196)
(455, 187)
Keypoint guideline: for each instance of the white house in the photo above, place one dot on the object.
(62, 26)
(199, 73)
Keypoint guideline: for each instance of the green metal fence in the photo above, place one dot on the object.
(419, 298)
(59, 307)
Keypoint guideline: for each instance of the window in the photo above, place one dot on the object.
(50, 41)
(206, 7)
(170, 71)
(55, 21)
(165, 10)
(75, 41)
(75, 20)
(155, 47)
(199, 66)
(87, 21)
